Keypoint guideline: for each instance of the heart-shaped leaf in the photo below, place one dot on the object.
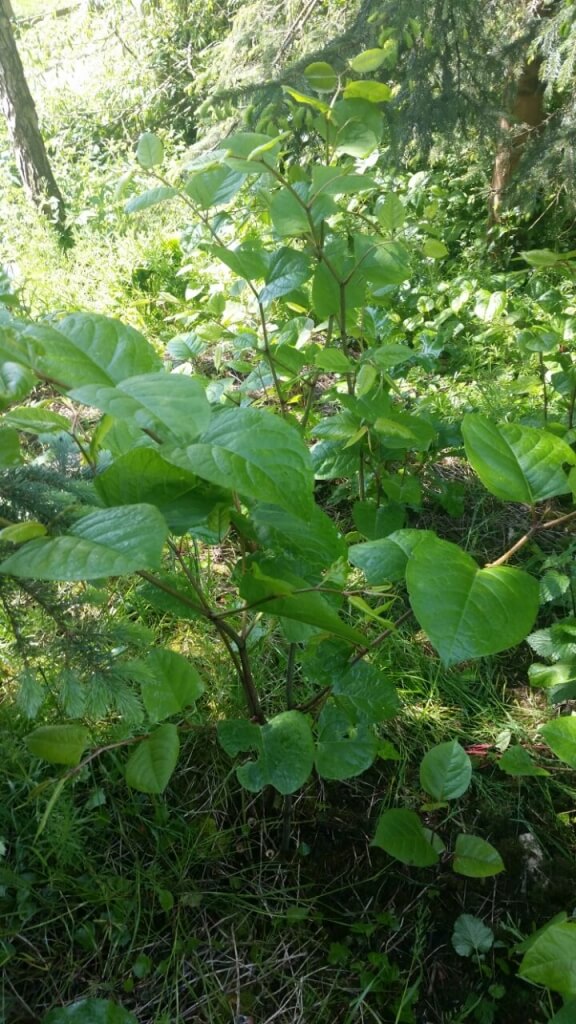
(517, 463)
(476, 858)
(446, 771)
(551, 959)
(151, 765)
(255, 453)
(560, 735)
(59, 744)
(401, 834)
(90, 1011)
(468, 612)
(285, 749)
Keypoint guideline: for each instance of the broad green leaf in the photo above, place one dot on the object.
(368, 60)
(288, 215)
(385, 560)
(365, 380)
(150, 767)
(403, 489)
(285, 749)
(401, 835)
(336, 181)
(446, 771)
(538, 340)
(111, 542)
(168, 683)
(109, 350)
(321, 77)
(154, 401)
(149, 151)
(517, 463)
(310, 101)
(543, 257)
(214, 186)
(86, 349)
(471, 935)
(374, 92)
(10, 454)
(476, 858)
(381, 263)
(333, 360)
(59, 744)
(357, 139)
(247, 261)
(314, 539)
(18, 533)
(326, 289)
(551, 959)
(371, 692)
(236, 735)
(387, 356)
(528, 942)
(490, 306)
(289, 268)
(360, 111)
(552, 675)
(33, 419)
(143, 476)
(435, 249)
(246, 151)
(90, 1011)
(344, 749)
(391, 213)
(560, 735)
(16, 382)
(254, 453)
(152, 197)
(468, 612)
(567, 1015)
(331, 461)
(377, 521)
(403, 431)
(290, 597)
(517, 761)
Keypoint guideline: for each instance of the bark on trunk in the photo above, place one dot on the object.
(526, 117)
(17, 105)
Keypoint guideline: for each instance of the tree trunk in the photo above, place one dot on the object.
(526, 117)
(17, 105)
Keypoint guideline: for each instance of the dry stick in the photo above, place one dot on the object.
(528, 536)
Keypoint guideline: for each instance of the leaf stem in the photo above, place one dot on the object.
(381, 637)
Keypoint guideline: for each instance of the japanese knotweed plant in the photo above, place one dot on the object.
(173, 463)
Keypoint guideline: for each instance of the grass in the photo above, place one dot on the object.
(185, 909)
